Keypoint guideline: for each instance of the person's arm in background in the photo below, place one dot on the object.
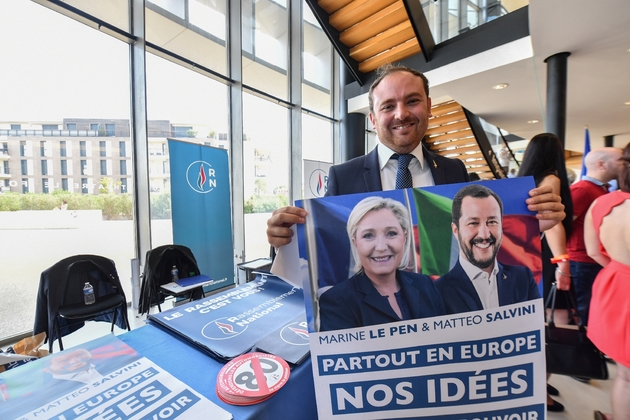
(557, 240)
(591, 240)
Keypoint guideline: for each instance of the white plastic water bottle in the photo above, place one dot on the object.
(174, 273)
(88, 294)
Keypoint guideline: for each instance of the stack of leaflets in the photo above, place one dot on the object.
(251, 378)
(266, 314)
(191, 281)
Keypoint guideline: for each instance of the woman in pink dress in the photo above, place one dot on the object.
(607, 238)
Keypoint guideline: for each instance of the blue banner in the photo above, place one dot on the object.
(200, 202)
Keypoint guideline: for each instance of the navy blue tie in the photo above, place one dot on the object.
(403, 175)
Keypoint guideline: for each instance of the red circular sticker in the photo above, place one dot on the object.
(251, 378)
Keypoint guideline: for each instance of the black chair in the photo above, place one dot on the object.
(157, 271)
(61, 309)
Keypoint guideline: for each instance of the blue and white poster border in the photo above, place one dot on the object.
(480, 365)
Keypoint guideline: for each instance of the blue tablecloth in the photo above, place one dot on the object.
(294, 400)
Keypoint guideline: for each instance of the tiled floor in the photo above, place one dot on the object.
(580, 399)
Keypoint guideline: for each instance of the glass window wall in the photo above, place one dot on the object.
(266, 157)
(266, 46)
(83, 101)
(45, 65)
(185, 105)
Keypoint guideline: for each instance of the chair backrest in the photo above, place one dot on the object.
(157, 271)
(81, 272)
(174, 256)
(62, 285)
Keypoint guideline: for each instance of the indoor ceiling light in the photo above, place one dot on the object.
(627, 103)
(500, 86)
(532, 121)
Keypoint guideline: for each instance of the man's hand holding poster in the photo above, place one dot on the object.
(423, 303)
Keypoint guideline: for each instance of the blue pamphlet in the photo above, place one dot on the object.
(191, 281)
(231, 323)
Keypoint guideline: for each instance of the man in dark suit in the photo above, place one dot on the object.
(400, 108)
(478, 281)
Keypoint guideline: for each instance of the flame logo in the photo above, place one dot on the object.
(295, 334)
(201, 179)
(320, 184)
(301, 332)
(222, 329)
(225, 328)
(317, 182)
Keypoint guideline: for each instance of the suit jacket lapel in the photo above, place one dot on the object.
(411, 293)
(372, 172)
(465, 288)
(437, 171)
(373, 298)
(502, 290)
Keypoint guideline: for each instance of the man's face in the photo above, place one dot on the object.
(480, 231)
(612, 165)
(70, 362)
(401, 111)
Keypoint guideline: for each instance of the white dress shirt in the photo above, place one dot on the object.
(485, 285)
(420, 171)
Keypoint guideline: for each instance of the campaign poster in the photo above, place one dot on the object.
(104, 378)
(442, 245)
(201, 209)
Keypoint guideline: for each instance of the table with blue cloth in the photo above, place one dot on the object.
(199, 371)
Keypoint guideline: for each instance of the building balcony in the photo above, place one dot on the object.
(49, 133)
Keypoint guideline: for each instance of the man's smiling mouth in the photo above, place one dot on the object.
(483, 245)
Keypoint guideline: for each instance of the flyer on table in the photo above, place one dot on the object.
(104, 378)
(425, 303)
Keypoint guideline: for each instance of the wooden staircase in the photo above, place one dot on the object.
(377, 32)
(449, 134)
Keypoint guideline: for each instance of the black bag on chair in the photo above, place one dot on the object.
(568, 350)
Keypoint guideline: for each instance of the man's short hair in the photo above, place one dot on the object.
(474, 191)
(387, 69)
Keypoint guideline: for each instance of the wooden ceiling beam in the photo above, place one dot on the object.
(445, 108)
(383, 41)
(331, 6)
(450, 136)
(387, 18)
(393, 55)
(447, 118)
(443, 129)
(356, 11)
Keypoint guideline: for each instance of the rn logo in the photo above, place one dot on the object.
(221, 329)
(201, 177)
(318, 182)
(295, 333)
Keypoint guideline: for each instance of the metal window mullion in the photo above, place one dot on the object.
(295, 92)
(336, 105)
(138, 126)
(235, 103)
